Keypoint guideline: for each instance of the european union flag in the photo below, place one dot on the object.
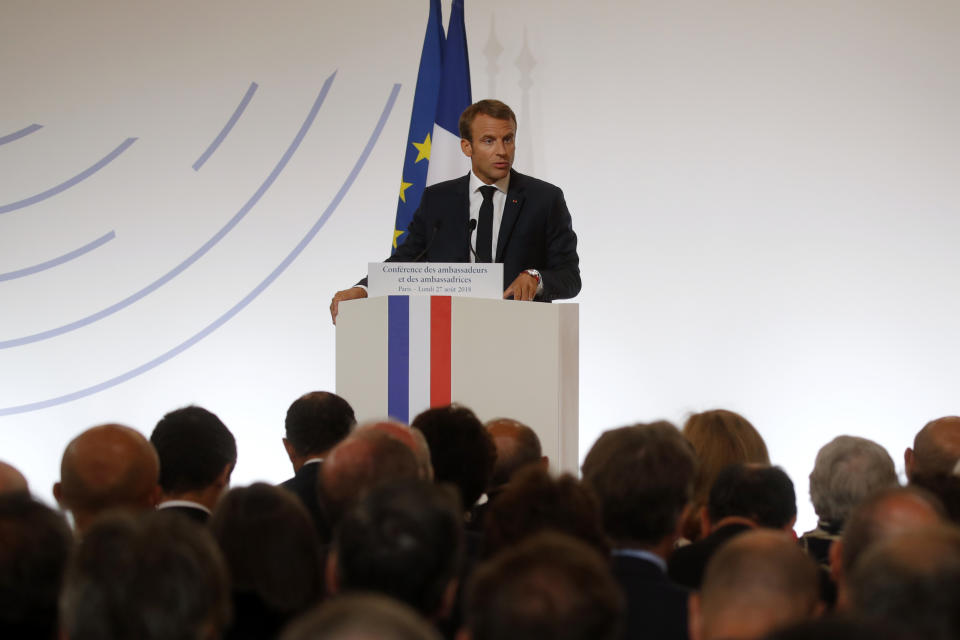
(417, 157)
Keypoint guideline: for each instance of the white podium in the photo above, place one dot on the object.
(399, 355)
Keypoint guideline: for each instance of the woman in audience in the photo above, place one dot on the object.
(273, 557)
(720, 438)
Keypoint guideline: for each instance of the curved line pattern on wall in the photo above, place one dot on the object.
(67, 257)
(196, 255)
(250, 297)
(16, 135)
(72, 182)
(227, 127)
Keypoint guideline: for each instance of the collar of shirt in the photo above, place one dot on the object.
(642, 555)
(182, 503)
(499, 201)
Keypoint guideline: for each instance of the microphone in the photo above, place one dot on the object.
(471, 225)
(436, 227)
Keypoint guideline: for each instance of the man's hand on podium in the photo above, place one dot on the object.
(524, 287)
(347, 294)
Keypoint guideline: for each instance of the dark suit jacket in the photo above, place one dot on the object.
(656, 607)
(304, 486)
(535, 233)
(687, 564)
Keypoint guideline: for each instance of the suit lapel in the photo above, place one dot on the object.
(511, 211)
(462, 194)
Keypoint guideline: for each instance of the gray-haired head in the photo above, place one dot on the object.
(847, 470)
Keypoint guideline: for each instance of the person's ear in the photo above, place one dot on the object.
(223, 480)
(332, 574)
(908, 462)
(545, 463)
(789, 528)
(694, 617)
(836, 560)
(682, 521)
(58, 494)
(449, 599)
(290, 451)
(704, 522)
(466, 147)
(155, 496)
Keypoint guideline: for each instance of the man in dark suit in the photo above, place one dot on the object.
(643, 477)
(743, 497)
(518, 220)
(197, 456)
(315, 423)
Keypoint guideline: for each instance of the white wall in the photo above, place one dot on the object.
(766, 196)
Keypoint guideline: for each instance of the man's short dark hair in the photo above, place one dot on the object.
(461, 450)
(403, 540)
(194, 446)
(534, 502)
(549, 587)
(643, 476)
(317, 421)
(35, 544)
(492, 108)
(760, 493)
(366, 615)
(153, 577)
(910, 583)
(270, 547)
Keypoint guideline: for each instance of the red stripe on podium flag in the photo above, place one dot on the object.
(440, 348)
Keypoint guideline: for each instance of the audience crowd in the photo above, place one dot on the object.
(453, 529)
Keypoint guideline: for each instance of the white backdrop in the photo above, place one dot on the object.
(766, 196)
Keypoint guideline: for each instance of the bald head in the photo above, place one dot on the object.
(910, 582)
(936, 448)
(105, 467)
(517, 447)
(412, 438)
(11, 480)
(759, 581)
(884, 515)
(362, 462)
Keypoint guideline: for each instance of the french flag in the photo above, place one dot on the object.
(418, 354)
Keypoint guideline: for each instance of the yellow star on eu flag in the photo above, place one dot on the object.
(396, 234)
(423, 149)
(403, 190)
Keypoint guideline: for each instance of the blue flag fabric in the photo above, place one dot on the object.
(455, 94)
(417, 156)
(447, 161)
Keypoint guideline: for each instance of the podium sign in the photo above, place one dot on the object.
(458, 279)
(399, 355)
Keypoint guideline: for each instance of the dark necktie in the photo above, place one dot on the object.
(485, 225)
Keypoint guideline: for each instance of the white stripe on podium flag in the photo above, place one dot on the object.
(419, 354)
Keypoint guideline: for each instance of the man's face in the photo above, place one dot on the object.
(492, 148)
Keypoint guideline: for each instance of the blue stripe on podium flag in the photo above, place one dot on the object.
(398, 358)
